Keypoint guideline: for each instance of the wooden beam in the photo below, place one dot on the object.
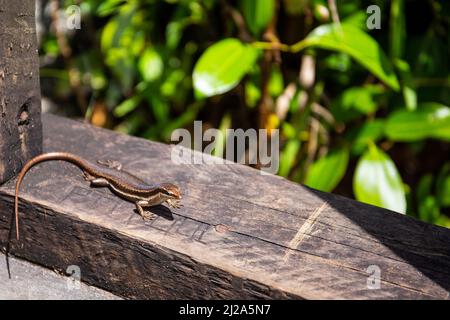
(240, 234)
(20, 103)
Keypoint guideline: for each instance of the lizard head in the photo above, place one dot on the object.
(170, 190)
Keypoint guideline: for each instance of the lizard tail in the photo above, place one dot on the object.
(38, 159)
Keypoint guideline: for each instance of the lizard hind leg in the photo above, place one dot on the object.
(99, 182)
(87, 176)
(110, 164)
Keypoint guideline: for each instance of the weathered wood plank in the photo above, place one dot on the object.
(20, 103)
(239, 235)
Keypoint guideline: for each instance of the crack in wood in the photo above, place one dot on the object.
(303, 231)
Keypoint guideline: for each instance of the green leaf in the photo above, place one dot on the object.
(160, 108)
(108, 35)
(356, 101)
(410, 96)
(108, 7)
(50, 47)
(429, 120)
(406, 83)
(327, 172)
(424, 187)
(174, 31)
(220, 144)
(121, 41)
(429, 209)
(369, 132)
(151, 65)
(122, 65)
(120, 30)
(288, 155)
(127, 106)
(397, 29)
(443, 221)
(288, 130)
(443, 186)
(356, 43)
(357, 19)
(377, 181)
(171, 85)
(252, 94)
(276, 83)
(257, 14)
(222, 66)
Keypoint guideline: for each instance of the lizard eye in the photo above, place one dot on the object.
(173, 193)
(171, 190)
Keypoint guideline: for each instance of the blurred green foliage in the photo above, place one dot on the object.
(361, 112)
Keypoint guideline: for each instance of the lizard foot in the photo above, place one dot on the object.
(110, 164)
(174, 203)
(87, 176)
(146, 216)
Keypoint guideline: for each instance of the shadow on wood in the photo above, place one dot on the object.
(425, 248)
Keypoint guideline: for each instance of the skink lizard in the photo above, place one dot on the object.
(109, 174)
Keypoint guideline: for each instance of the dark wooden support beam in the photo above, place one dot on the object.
(20, 103)
(239, 235)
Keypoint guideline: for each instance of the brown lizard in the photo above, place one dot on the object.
(109, 174)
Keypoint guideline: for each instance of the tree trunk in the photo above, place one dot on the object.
(20, 103)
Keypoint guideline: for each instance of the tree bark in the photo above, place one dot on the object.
(20, 103)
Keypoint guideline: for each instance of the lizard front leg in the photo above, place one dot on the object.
(110, 164)
(174, 203)
(140, 208)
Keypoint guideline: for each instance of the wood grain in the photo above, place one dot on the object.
(20, 103)
(240, 234)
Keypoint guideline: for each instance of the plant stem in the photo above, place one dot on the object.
(294, 48)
